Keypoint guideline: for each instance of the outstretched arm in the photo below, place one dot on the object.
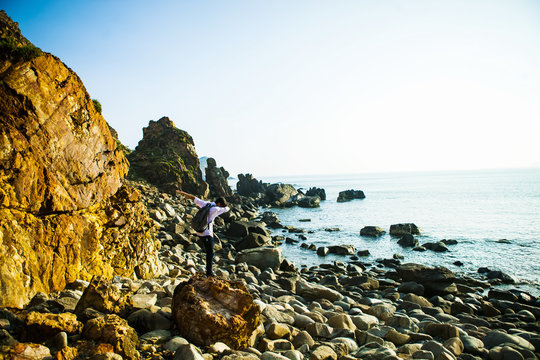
(185, 194)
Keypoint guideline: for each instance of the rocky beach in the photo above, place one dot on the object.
(98, 260)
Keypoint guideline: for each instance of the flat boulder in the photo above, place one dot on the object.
(494, 338)
(349, 195)
(253, 240)
(436, 280)
(261, 257)
(372, 231)
(314, 291)
(309, 201)
(208, 310)
(341, 249)
(399, 230)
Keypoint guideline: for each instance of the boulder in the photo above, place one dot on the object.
(113, 330)
(41, 327)
(399, 230)
(349, 195)
(436, 280)
(166, 158)
(247, 185)
(408, 240)
(341, 249)
(104, 297)
(438, 246)
(372, 231)
(262, 257)
(314, 291)
(217, 179)
(253, 240)
(495, 337)
(309, 202)
(208, 310)
(316, 192)
(278, 194)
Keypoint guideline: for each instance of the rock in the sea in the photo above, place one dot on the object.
(348, 195)
(438, 246)
(262, 257)
(64, 214)
(113, 330)
(278, 194)
(309, 201)
(207, 310)
(402, 229)
(217, 179)
(166, 158)
(247, 185)
(316, 192)
(372, 231)
(341, 249)
(408, 240)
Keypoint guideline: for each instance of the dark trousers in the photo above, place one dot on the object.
(208, 242)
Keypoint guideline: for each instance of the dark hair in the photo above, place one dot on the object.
(221, 201)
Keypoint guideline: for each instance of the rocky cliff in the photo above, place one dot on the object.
(62, 216)
(166, 158)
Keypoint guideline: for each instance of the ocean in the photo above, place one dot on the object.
(494, 216)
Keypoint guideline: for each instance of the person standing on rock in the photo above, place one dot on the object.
(207, 236)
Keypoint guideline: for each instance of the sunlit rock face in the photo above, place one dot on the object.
(64, 213)
(208, 310)
(166, 158)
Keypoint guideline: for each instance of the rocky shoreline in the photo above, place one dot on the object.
(344, 310)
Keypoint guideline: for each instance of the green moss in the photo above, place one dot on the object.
(97, 105)
(10, 49)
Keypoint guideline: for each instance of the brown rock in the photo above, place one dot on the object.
(104, 297)
(277, 331)
(115, 331)
(41, 326)
(396, 337)
(166, 157)
(60, 175)
(455, 345)
(217, 179)
(208, 310)
(444, 331)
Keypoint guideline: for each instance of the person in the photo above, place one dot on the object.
(207, 236)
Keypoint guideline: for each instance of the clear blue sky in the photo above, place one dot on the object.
(311, 87)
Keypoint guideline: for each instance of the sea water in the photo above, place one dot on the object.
(494, 216)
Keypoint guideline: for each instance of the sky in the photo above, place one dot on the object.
(298, 87)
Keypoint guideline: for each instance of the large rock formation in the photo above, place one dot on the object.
(217, 179)
(62, 216)
(208, 310)
(247, 185)
(166, 158)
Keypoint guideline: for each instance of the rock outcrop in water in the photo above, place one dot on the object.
(62, 215)
(166, 157)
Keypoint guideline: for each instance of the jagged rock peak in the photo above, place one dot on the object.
(10, 29)
(217, 178)
(166, 158)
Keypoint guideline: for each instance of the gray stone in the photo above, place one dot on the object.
(188, 352)
(156, 336)
(175, 343)
(262, 258)
(314, 291)
(495, 338)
